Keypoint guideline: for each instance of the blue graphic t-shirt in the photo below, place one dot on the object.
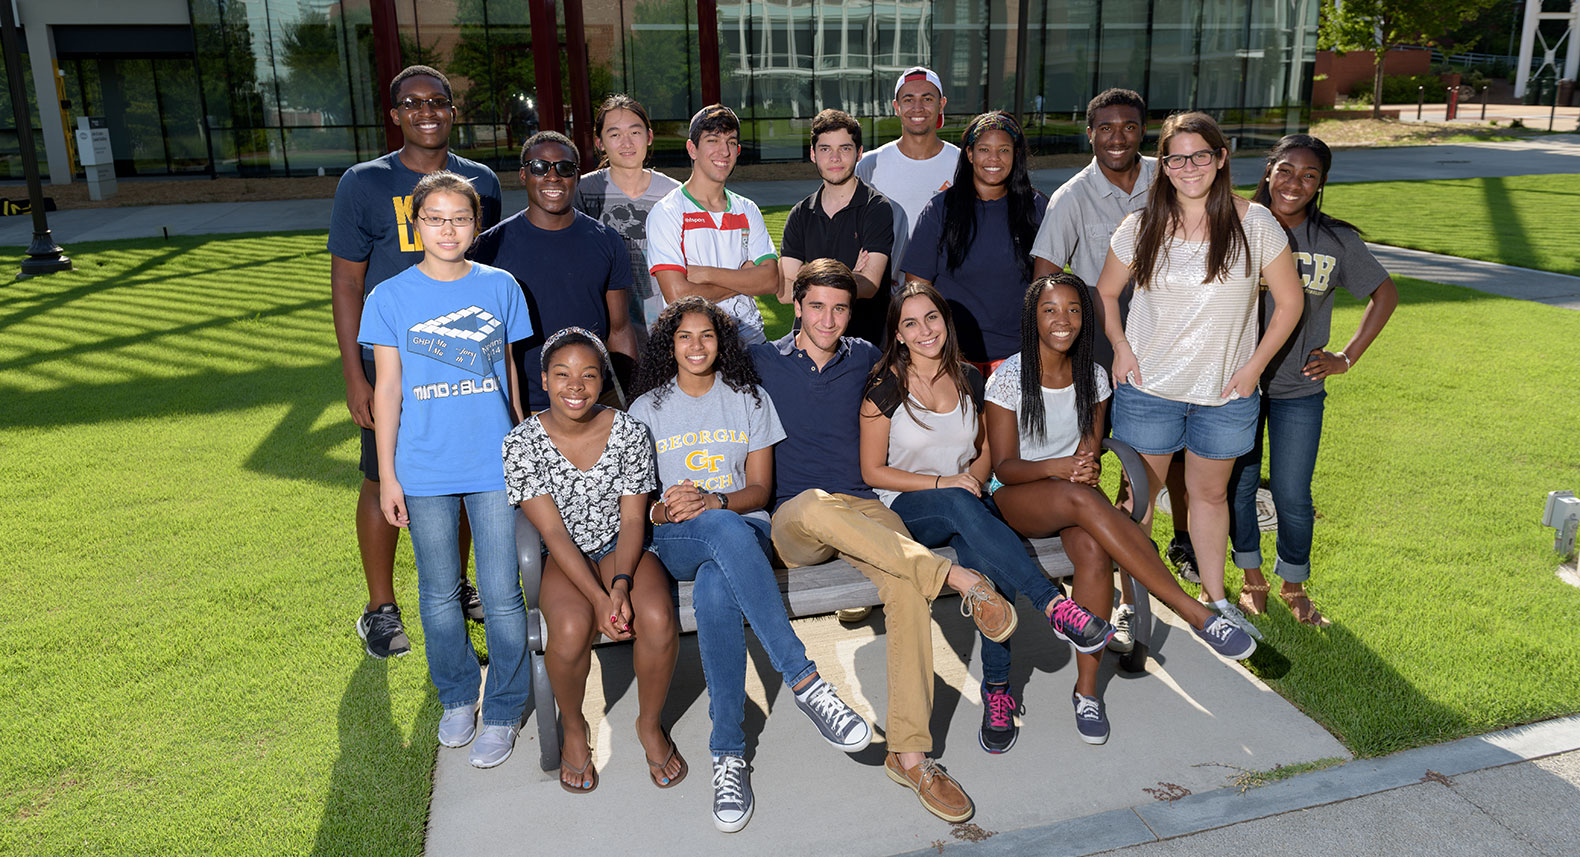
(455, 402)
(372, 219)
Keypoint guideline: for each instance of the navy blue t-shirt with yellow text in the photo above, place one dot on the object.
(372, 220)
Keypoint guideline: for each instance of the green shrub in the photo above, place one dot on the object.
(1400, 89)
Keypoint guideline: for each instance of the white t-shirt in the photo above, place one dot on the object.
(909, 184)
(1063, 433)
(681, 233)
(1190, 336)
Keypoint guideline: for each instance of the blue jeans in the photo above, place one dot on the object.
(983, 542)
(1294, 429)
(452, 663)
(727, 555)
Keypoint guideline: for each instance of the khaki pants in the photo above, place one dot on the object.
(814, 526)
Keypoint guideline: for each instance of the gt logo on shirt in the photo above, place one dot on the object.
(699, 459)
(1315, 271)
(405, 228)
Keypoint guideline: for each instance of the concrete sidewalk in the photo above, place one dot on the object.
(1558, 290)
(1548, 155)
(1175, 729)
(1514, 793)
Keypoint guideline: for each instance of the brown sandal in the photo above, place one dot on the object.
(1253, 597)
(1305, 612)
(656, 769)
(586, 772)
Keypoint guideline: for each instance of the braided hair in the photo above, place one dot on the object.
(1033, 418)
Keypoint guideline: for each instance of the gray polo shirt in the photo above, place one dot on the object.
(1083, 214)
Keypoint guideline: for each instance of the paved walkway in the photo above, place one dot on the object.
(1560, 290)
(1175, 729)
(1509, 793)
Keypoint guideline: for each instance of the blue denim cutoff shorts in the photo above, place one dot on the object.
(1158, 426)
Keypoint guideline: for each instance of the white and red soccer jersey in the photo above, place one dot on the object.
(681, 233)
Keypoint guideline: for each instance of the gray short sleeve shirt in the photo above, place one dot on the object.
(1083, 214)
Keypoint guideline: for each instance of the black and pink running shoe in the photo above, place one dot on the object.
(1077, 626)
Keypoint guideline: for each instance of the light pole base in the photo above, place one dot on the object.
(44, 257)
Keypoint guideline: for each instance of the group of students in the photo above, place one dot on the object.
(946, 384)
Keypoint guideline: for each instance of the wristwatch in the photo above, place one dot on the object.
(724, 499)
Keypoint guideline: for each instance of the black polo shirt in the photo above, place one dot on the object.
(866, 223)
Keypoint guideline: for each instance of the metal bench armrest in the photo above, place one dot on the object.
(1135, 471)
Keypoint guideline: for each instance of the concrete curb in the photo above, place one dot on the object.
(1140, 825)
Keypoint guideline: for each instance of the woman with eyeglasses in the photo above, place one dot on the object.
(1187, 359)
(442, 334)
(621, 192)
(575, 271)
(973, 241)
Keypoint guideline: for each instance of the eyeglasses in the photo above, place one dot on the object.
(438, 102)
(540, 167)
(1200, 159)
(461, 222)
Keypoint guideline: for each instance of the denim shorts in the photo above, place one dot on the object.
(1158, 426)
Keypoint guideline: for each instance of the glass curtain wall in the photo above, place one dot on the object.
(288, 86)
(10, 148)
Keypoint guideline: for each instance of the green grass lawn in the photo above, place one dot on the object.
(178, 669)
(1529, 221)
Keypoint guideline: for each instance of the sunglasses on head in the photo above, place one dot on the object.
(540, 167)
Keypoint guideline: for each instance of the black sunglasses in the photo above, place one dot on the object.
(540, 167)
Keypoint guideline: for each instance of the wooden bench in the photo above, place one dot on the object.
(807, 591)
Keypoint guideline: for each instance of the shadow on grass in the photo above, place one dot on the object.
(381, 781)
(1510, 230)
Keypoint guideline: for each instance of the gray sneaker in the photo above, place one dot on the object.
(1233, 614)
(1124, 639)
(493, 745)
(458, 725)
(840, 725)
(732, 793)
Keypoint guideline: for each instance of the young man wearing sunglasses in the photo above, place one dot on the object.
(705, 240)
(372, 237)
(574, 270)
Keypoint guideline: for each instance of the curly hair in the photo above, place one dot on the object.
(658, 367)
(1033, 419)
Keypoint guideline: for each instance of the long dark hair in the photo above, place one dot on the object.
(896, 359)
(620, 102)
(960, 200)
(658, 367)
(1225, 235)
(1324, 156)
(1033, 419)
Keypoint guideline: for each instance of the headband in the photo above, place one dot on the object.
(548, 346)
(996, 121)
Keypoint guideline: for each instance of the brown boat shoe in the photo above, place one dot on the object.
(995, 616)
(938, 791)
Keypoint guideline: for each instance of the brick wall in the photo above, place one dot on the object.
(1344, 70)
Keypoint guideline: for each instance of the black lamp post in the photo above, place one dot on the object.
(44, 255)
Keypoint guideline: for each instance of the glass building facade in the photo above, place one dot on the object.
(289, 87)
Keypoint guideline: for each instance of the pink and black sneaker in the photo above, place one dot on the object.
(1077, 626)
(998, 732)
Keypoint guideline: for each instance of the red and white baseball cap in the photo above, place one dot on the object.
(917, 72)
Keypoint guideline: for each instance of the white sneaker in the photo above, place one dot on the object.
(1124, 639)
(458, 725)
(732, 793)
(494, 745)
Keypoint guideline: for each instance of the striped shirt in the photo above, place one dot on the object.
(1190, 336)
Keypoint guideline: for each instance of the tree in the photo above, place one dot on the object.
(310, 50)
(1374, 25)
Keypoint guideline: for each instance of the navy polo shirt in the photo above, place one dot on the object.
(865, 223)
(821, 414)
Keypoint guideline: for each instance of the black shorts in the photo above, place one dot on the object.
(369, 461)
